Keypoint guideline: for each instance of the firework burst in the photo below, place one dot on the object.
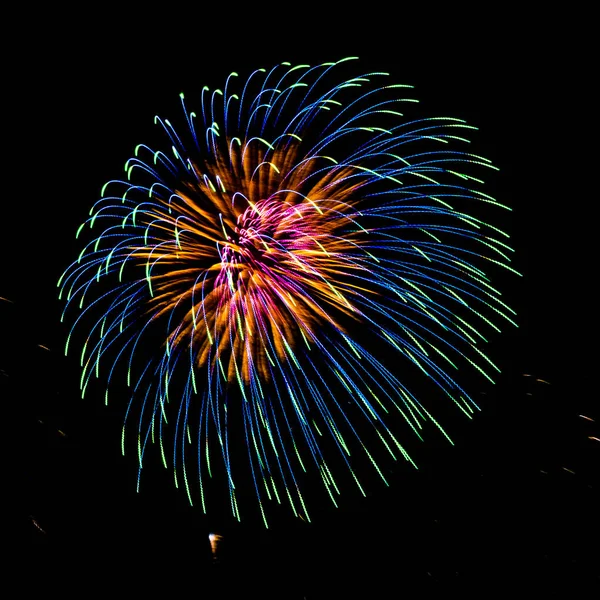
(290, 250)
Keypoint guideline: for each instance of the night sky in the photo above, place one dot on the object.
(513, 505)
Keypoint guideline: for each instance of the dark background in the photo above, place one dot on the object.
(513, 505)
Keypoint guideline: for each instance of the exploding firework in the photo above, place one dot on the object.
(262, 281)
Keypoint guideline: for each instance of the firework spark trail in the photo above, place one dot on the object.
(280, 222)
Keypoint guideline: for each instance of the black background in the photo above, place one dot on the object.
(514, 504)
